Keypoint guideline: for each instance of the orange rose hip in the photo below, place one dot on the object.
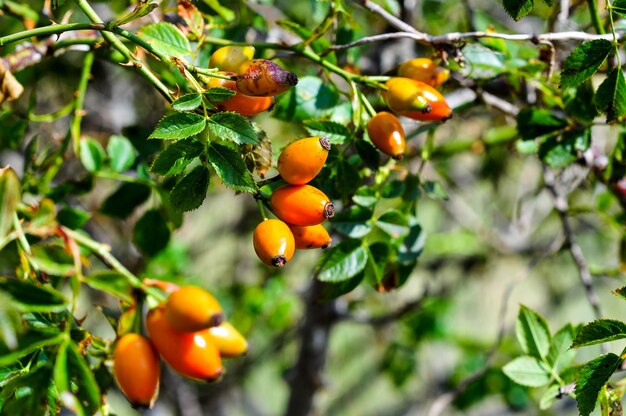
(229, 341)
(301, 205)
(416, 100)
(192, 308)
(303, 159)
(263, 78)
(273, 242)
(387, 134)
(310, 236)
(192, 354)
(136, 367)
(245, 105)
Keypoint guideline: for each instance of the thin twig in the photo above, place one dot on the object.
(561, 206)
(455, 37)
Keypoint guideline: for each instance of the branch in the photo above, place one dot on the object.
(561, 206)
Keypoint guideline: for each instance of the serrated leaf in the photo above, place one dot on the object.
(151, 233)
(178, 126)
(111, 282)
(219, 94)
(175, 157)
(584, 61)
(121, 153)
(335, 132)
(233, 127)
(549, 397)
(92, 154)
(343, 261)
(311, 98)
(29, 342)
(611, 96)
(10, 196)
(167, 39)
(53, 259)
(559, 152)
(593, 376)
(188, 102)
(599, 331)
(33, 298)
(33, 386)
(354, 222)
(332, 290)
(518, 8)
(125, 199)
(434, 190)
(532, 332)
(190, 191)
(88, 393)
(230, 168)
(560, 355)
(527, 371)
(394, 223)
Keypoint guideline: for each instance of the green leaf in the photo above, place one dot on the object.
(10, 196)
(23, 395)
(311, 98)
(142, 9)
(125, 199)
(188, 102)
(434, 190)
(560, 355)
(365, 196)
(73, 218)
(335, 132)
(599, 331)
(88, 393)
(413, 245)
(394, 223)
(232, 126)
(549, 397)
(584, 61)
(532, 123)
(620, 292)
(224, 12)
(167, 39)
(61, 373)
(53, 259)
(121, 152)
(230, 168)
(348, 178)
(33, 298)
(532, 333)
(175, 157)
(527, 371)
(343, 261)
(190, 191)
(354, 222)
(332, 290)
(92, 154)
(619, 7)
(111, 282)
(377, 260)
(593, 376)
(28, 343)
(518, 8)
(559, 152)
(178, 126)
(369, 155)
(219, 94)
(151, 232)
(611, 96)
(581, 104)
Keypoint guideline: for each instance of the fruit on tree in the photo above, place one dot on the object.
(193, 308)
(243, 104)
(136, 367)
(425, 70)
(192, 354)
(303, 159)
(230, 58)
(310, 236)
(260, 77)
(301, 205)
(229, 341)
(416, 100)
(273, 242)
(387, 134)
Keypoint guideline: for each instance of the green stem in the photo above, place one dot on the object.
(47, 118)
(367, 105)
(46, 31)
(80, 101)
(595, 17)
(117, 44)
(264, 182)
(259, 202)
(104, 253)
(123, 178)
(23, 243)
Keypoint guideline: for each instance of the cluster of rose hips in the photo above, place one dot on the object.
(189, 332)
(301, 208)
(411, 94)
